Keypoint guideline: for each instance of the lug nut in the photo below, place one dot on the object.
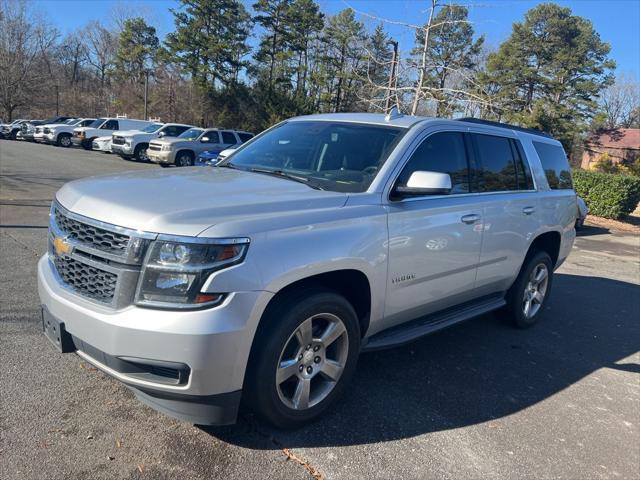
(300, 357)
(317, 359)
(309, 369)
(308, 347)
(300, 368)
(316, 348)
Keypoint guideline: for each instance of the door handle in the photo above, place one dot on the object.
(528, 210)
(471, 218)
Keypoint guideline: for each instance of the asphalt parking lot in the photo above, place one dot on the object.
(479, 400)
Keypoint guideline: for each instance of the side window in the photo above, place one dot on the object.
(555, 165)
(245, 137)
(86, 123)
(171, 131)
(525, 180)
(177, 130)
(213, 136)
(442, 152)
(110, 125)
(496, 162)
(228, 138)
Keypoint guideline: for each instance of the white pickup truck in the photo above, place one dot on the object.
(134, 144)
(60, 133)
(103, 127)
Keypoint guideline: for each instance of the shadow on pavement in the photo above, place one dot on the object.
(475, 372)
(589, 230)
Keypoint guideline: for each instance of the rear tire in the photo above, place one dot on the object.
(529, 293)
(304, 355)
(63, 140)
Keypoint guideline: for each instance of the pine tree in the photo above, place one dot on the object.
(549, 72)
(137, 47)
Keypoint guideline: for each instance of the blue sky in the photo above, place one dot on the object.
(617, 21)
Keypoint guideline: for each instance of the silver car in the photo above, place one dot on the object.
(264, 277)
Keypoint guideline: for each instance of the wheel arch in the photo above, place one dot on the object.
(547, 242)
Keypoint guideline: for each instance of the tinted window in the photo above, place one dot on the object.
(213, 136)
(525, 180)
(178, 129)
(110, 125)
(245, 137)
(555, 165)
(441, 152)
(228, 138)
(86, 123)
(497, 163)
(336, 156)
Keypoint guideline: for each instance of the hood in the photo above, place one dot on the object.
(187, 201)
(129, 133)
(171, 140)
(102, 139)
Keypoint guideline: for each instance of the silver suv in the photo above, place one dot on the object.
(264, 277)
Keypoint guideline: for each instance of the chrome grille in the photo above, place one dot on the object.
(155, 146)
(86, 280)
(91, 236)
(118, 140)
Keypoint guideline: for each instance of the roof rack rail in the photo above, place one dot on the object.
(480, 121)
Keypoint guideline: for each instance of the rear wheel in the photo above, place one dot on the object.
(64, 140)
(528, 295)
(303, 358)
(184, 159)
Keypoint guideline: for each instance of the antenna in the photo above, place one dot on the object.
(393, 114)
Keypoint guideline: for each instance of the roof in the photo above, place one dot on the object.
(372, 118)
(620, 138)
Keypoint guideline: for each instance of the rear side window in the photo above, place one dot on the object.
(525, 179)
(442, 152)
(245, 137)
(497, 163)
(555, 165)
(228, 138)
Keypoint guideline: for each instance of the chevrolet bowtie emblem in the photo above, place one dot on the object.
(61, 246)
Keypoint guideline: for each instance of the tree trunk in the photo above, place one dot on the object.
(423, 62)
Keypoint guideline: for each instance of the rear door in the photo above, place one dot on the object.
(510, 208)
(434, 241)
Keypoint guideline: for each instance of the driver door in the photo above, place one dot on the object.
(434, 240)
(212, 142)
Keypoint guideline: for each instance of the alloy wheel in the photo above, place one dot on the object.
(312, 361)
(535, 290)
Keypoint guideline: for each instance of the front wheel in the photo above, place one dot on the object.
(529, 293)
(184, 159)
(140, 153)
(64, 140)
(303, 357)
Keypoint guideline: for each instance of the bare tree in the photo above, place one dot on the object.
(102, 44)
(621, 102)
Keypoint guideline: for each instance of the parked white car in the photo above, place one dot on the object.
(134, 143)
(102, 127)
(101, 144)
(60, 133)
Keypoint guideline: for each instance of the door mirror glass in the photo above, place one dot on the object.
(426, 183)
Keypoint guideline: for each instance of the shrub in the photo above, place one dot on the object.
(607, 195)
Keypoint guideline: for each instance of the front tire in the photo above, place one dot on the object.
(529, 293)
(140, 153)
(64, 140)
(304, 355)
(184, 159)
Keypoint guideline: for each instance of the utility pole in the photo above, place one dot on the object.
(392, 74)
(57, 100)
(146, 92)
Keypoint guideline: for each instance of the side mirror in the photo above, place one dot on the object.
(425, 183)
(161, 134)
(204, 139)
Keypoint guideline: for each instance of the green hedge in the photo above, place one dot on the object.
(607, 195)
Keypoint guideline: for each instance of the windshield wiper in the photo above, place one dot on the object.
(282, 174)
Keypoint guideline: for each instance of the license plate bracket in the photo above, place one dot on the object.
(54, 330)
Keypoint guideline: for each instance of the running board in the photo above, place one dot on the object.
(420, 327)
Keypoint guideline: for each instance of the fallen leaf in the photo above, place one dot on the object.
(109, 457)
(89, 437)
(140, 468)
(119, 443)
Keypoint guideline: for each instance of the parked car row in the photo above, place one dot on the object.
(166, 144)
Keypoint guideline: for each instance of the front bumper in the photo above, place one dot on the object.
(213, 343)
(80, 141)
(158, 156)
(122, 150)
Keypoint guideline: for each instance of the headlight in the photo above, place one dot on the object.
(174, 272)
(166, 147)
(128, 141)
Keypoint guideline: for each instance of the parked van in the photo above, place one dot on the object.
(104, 127)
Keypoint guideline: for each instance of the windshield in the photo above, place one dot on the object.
(96, 123)
(191, 134)
(336, 156)
(71, 121)
(154, 127)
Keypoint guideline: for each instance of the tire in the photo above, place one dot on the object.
(87, 144)
(140, 153)
(13, 134)
(164, 165)
(532, 288)
(280, 399)
(63, 140)
(184, 159)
